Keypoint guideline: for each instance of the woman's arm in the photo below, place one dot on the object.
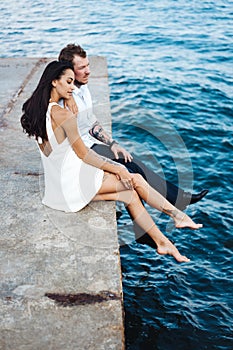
(98, 132)
(68, 122)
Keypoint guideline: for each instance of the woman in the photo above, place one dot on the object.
(74, 174)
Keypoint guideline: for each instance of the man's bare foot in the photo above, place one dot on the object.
(167, 248)
(181, 219)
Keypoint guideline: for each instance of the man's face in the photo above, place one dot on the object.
(81, 69)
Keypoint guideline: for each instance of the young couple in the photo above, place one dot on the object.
(82, 163)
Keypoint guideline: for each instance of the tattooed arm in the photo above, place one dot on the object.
(100, 134)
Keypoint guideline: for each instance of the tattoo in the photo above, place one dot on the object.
(106, 160)
(173, 213)
(110, 161)
(98, 132)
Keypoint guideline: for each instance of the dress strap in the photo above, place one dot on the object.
(49, 129)
(51, 104)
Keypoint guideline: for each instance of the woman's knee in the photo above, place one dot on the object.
(133, 197)
(138, 180)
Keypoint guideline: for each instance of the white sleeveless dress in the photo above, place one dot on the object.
(70, 184)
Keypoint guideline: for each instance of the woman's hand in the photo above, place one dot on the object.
(125, 177)
(71, 105)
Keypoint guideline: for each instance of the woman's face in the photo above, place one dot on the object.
(65, 85)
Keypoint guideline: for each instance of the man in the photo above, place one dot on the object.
(95, 137)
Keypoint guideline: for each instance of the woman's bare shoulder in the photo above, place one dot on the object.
(61, 114)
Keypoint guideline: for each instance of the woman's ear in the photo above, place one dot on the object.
(54, 83)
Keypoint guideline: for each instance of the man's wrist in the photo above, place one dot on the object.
(112, 143)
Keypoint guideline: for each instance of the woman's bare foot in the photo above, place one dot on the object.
(181, 219)
(167, 248)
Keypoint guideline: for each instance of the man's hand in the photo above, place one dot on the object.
(117, 150)
(71, 104)
(100, 134)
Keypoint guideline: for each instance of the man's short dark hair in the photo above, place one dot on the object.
(71, 50)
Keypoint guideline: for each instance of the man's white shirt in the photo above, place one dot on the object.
(86, 117)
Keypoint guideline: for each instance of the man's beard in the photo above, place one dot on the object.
(78, 83)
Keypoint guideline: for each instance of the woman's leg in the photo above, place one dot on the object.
(156, 200)
(174, 194)
(112, 189)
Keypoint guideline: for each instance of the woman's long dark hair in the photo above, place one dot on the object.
(34, 109)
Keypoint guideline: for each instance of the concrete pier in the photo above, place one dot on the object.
(60, 273)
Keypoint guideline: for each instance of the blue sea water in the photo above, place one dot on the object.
(170, 73)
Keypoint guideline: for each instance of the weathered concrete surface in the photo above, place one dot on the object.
(46, 251)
